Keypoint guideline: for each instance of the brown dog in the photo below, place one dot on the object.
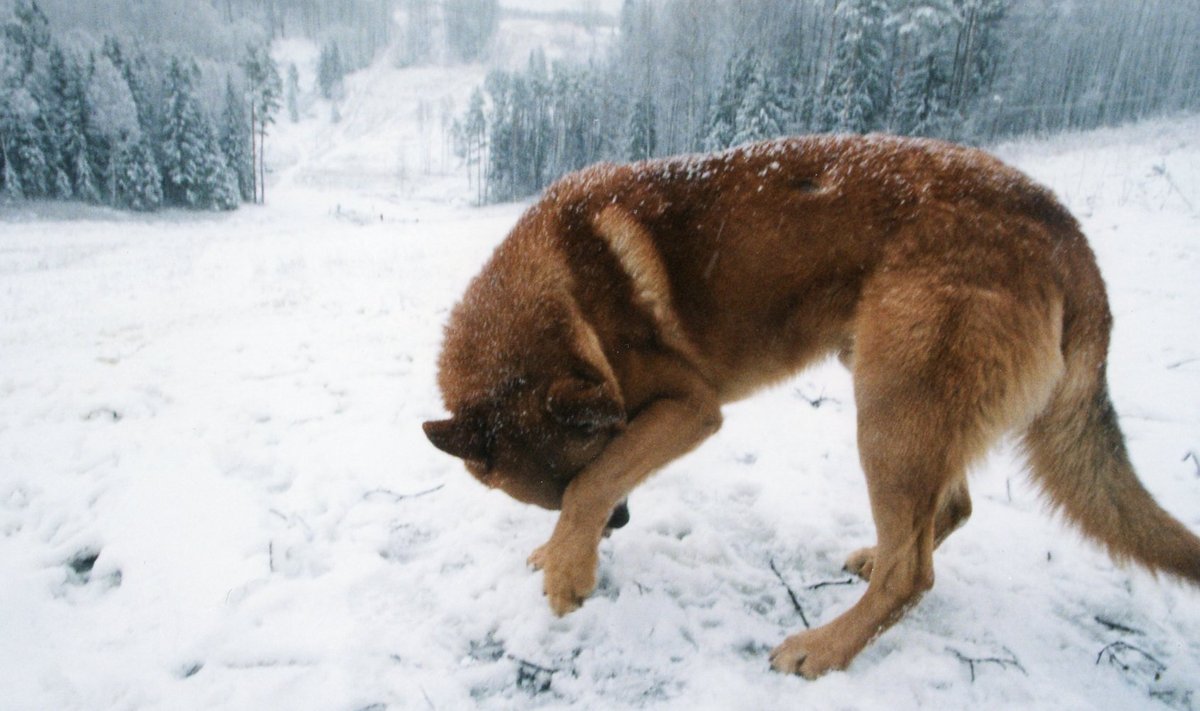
(631, 302)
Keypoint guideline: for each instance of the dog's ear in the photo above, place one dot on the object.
(460, 437)
(584, 404)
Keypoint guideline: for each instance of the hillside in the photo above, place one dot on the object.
(215, 492)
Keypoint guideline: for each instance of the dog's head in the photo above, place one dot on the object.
(531, 438)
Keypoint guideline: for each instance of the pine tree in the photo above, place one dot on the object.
(146, 89)
(195, 173)
(27, 36)
(137, 183)
(53, 123)
(723, 111)
(502, 143)
(855, 90)
(79, 151)
(760, 114)
(235, 139)
(474, 131)
(920, 104)
(113, 121)
(265, 88)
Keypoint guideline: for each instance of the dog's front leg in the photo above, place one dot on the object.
(661, 432)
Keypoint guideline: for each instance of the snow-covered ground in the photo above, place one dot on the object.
(215, 492)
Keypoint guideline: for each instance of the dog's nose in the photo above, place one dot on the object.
(620, 516)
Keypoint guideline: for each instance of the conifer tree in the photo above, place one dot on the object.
(855, 91)
(52, 123)
(195, 173)
(760, 114)
(723, 112)
(137, 183)
(475, 139)
(20, 146)
(235, 139)
(265, 88)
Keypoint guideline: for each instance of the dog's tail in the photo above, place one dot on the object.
(1077, 452)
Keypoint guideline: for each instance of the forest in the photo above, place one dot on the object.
(177, 117)
(180, 115)
(701, 75)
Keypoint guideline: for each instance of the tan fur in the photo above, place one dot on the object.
(631, 302)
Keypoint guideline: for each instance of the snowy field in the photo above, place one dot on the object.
(215, 492)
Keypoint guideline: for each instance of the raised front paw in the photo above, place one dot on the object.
(809, 654)
(569, 576)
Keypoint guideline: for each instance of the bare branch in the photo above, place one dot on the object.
(1012, 661)
(791, 594)
(388, 493)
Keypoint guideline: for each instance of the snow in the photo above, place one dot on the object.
(224, 412)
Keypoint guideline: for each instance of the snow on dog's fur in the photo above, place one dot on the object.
(631, 302)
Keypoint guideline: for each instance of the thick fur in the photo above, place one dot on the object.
(632, 301)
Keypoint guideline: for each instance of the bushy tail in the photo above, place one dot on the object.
(1078, 457)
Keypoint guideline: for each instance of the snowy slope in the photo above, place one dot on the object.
(215, 493)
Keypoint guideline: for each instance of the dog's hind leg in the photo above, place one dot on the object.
(905, 485)
(941, 370)
(952, 513)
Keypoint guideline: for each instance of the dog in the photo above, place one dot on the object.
(630, 302)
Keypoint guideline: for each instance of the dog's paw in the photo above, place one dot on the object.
(861, 562)
(808, 655)
(537, 559)
(568, 576)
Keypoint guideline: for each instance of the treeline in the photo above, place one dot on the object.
(698, 75)
(414, 31)
(117, 126)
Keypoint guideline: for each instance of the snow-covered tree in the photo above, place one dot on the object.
(853, 98)
(195, 173)
(265, 88)
(921, 102)
(25, 169)
(760, 114)
(723, 112)
(235, 139)
(137, 182)
(113, 121)
(474, 137)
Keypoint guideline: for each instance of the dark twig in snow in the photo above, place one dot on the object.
(830, 583)
(533, 677)
(1161, 169)
(815, 402)
(1181, 363)
(791, 594)
(1012, 661)
(373, 493)
(1195, 460)
(1116, 626)
(1117, 647)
